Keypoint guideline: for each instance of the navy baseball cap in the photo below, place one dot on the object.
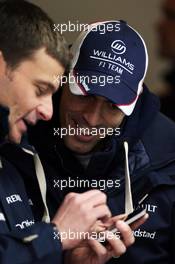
(109, 59)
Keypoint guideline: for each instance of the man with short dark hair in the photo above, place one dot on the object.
(26, 34)
(82, 149)
(31, 54)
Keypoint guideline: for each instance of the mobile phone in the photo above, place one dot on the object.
(134, 216)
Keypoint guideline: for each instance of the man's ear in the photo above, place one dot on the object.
(3, 65)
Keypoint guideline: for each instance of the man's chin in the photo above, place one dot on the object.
(16, 131)
(78, 147)
(15, 137)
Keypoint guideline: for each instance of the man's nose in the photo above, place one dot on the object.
(45, 110)
(93, 114)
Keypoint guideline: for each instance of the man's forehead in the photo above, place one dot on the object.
(99, 98)
(96, 96)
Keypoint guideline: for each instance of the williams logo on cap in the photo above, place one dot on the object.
(118, 47)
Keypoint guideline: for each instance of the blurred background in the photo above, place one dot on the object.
(142, 15)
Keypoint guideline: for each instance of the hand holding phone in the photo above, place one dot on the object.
(131, 219)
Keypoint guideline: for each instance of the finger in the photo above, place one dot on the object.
(119, 217)
(102, 253)
(98, 226)
(91, 198)
(139, 222)
(98, 248)
(102, 212)
(92, 195)
(125, 233)
(117, 247)
(95, 199)
(88, 201)
(114, 219)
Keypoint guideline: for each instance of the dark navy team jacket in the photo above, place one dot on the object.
(151, 139)
(23, 237)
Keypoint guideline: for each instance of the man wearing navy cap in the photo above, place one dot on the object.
(106, 92)
(30, 54)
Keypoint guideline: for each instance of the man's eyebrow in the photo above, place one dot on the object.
(49, 85)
